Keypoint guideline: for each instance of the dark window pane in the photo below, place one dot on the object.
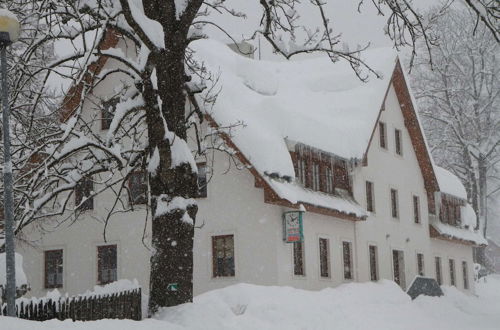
(416, 209)
(465, 275)
(383, 139)
(138, 188)
(394, 203)
(420, 264)
(370, 205)
(452, 272)
(83, 191)
(373, 263)
(347, 257)
(324, 257)
(439, 278)
(107, 112)
(53, 269)
(106, 264)
(298, 259)
(399, 146)
(202, 180)
(223, 256)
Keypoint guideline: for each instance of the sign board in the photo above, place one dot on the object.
(292, 227)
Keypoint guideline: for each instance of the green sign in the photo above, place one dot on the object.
(292, 227)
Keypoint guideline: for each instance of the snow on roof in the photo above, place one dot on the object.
(295, 194)
(468, 216)
(313, 101)
(449, 183)
(459, 233)
(20, 275)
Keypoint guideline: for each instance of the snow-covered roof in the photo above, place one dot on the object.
(449, 183)
(463, 234)
(313, 101)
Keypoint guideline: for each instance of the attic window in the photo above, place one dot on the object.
(383, 135)
(138, 187)
(301, 171)
(83, 191)
(398, 142)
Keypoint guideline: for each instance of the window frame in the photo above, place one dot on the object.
(453, 272)
(350, 271)
(382, 127)
(401, 278)
(438, 269)
(417, 213)
(329, 180)
(420, 263)
(323, 258)
(100, 269)
(373, 262)
(394, 203)
(398, 142)
(302, 171)
(225, 273)
(139, 200)
(302, 266)
(105, 107)
(316, 179)
(370, 196)
(46, 266)
(202, 191)
(465, 275)
(83, 187)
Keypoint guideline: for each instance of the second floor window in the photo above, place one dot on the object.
(83, 194)
(370, 198)
(107, 270)
(315, 176)
(202, 180)
(53, 269)
(138, 187)
(394, 203)
(398, 142)
(382, 135)
(416, 209)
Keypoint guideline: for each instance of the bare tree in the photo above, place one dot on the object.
(459, 100)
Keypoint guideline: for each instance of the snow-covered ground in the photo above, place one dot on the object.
(374, 306)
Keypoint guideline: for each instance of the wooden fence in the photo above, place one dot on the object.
(121, 305)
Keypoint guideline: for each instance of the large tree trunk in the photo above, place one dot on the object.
(171, 279)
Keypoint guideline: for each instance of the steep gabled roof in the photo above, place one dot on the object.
(313, 102)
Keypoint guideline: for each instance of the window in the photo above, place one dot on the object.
(202, 180)
(106, 264)
(223, 256)
(398, 263)
(420, 264)
(439, 277)
(394, 203)
(372, 249)
(452, 272)
(324, 257)
(347, 258)
(83, 190)
(138, 187)
(382, 132)
(301, 175)
(53, 269)
(329, 181)
(315, 176)
(399, 145)
(416, 209)
(107, 112)
(370, 200)
(298, 259)
(465, 275)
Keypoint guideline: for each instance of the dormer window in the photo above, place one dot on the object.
(450, 210)
(329, 180)
(301, 175)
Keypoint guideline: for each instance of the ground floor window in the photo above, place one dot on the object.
(452, 272)
(106, 264)
(298, 259)
(372, 250)
(324, 257)
(53, 269)
(223, 256)
(398, 262)
(439, 277)
(420, 264)
(347, 259)
(465, 274)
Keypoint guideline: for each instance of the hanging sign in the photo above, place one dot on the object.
(292, 226)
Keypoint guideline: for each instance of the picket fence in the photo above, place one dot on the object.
(120, 305)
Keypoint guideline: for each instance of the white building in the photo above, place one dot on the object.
(316, 138)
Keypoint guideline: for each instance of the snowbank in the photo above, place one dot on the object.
(374, 306)
(20, 275)
(449, 183)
